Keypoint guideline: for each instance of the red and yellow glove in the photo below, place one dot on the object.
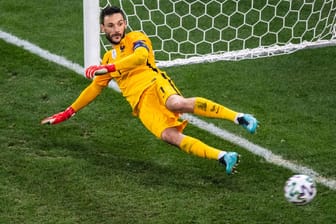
(93, 70)
(60, 117)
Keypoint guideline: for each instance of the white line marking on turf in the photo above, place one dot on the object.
(9, 38)
(260, 151)
(211, 128)
(41, 52)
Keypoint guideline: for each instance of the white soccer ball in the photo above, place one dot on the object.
(300, 189)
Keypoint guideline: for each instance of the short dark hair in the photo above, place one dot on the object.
(110, 10)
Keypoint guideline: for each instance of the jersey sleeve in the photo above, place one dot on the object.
(87, 96)
(106, 60)
(140, 50)
(138, 57)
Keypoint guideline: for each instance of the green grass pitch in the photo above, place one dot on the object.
(102, 166)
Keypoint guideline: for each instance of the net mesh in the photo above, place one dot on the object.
(210, 30)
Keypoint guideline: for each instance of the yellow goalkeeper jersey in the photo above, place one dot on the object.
(132, 78)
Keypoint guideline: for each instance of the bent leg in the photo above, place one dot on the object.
(190, 145)
(208, 108)
(200, 106)
(196, 147)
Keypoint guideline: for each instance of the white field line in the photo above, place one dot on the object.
(209, 127)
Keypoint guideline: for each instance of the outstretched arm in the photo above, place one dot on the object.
(86, 97)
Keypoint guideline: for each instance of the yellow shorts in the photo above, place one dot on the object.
(152, 110)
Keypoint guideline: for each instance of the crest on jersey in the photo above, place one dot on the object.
(114, 53)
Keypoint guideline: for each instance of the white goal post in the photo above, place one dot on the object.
(197, 31)
(91, 31)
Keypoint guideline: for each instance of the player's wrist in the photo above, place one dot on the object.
(69, 112)
(110, 67)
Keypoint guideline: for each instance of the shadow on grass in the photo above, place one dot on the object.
(124, 161)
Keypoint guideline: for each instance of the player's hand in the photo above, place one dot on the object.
(60, 117)
(93, 70)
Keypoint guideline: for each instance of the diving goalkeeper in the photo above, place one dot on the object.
(154, 98)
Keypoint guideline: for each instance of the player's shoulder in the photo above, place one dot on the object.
(136, 35)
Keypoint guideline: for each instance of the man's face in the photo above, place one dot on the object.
(114, 27)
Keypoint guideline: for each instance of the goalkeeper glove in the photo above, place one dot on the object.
(93, 70)
(60, 117)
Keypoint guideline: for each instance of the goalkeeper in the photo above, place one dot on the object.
(150, 92)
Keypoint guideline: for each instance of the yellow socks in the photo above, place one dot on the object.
(208, 108)
(194, 146)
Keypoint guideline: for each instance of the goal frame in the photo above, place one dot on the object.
(91, 32)
(92, 44)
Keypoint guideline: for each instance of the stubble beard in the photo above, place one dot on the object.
(110, 38)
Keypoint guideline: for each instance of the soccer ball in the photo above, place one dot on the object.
(300, 189)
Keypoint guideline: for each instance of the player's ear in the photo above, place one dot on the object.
(126, 24)
(102, 28)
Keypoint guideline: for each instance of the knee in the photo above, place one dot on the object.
(179, 104)
(172, 136)
(167, 135)
(175, 106)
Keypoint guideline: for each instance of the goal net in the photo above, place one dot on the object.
(196, 31)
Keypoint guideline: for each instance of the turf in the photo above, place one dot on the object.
(102, 166)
